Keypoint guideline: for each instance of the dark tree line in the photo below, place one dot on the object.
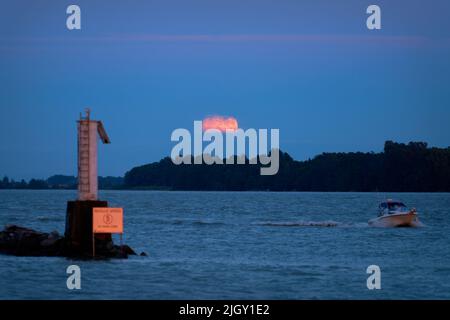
(7, 183)
(401, 167)
(59, 182)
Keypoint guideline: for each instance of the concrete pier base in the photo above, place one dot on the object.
(78, 232)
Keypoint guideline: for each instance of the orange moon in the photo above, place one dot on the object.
(220, 123)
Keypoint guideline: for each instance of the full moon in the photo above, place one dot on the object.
(220, 123)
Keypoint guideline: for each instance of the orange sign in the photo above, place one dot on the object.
(107, 220)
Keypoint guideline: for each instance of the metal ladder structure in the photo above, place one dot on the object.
(88, 133)
(83, 154)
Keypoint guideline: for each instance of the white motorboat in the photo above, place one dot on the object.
(395, 214)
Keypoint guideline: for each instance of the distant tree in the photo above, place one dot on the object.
(22, 184)
(110, 182)
(4, 182)
(401, 167)
(37, 184)
(62, 182)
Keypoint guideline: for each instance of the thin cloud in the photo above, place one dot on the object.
(300, 38)
(25, 43)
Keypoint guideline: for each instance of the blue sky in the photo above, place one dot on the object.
(310, 68)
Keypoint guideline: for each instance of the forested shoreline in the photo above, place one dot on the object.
(412, 167)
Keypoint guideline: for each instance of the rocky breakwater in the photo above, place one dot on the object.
(20, 241)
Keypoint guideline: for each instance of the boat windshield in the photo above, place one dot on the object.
(393, 206)
(396, 206)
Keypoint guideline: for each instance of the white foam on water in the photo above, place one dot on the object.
(327, 223)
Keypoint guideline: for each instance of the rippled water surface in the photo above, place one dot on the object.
(213, 245)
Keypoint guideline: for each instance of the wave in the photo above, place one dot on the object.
(201, 222)
(328, 224)
(324, 223)
(418, 224)
(192, 222)
(45, 219)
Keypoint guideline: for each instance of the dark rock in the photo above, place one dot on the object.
(143, 254)
(19, 241)
(128, 250)
(51, 239)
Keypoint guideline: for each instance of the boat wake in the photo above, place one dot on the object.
(418, 224)
(319, 224)
(328, 224)
(190, 222)
(46, 219)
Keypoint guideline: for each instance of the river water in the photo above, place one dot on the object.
(239, 245)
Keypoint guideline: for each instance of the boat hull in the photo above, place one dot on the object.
(396, 220)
